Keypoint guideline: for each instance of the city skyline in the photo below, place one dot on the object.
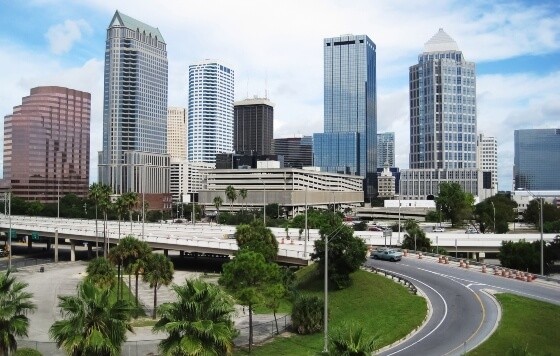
(516, 47)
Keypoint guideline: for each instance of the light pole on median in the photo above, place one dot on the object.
(325, 315)
(264, 201)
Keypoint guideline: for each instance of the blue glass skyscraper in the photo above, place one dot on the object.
(348, 144)
(537, 158)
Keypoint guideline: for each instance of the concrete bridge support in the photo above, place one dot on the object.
(72, 251)
(55, 246)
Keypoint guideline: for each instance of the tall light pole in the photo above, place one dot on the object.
(264, 201)
(494, 208)
(143, 198)
(306, 231)
(326, 308)
(10, 231)
(399, 219)
(541, 199)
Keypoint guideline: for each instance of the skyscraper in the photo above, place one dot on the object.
(297, 151)
(46, 144)
(487, 156)
(253, 126)
(134, 156)
(442, 107)
(443, 136)
(537, 158)
(348, 144)
(385, 149)
(210, 111)
(177, 134)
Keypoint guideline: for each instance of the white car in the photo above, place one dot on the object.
(438, 229)
(471, 230)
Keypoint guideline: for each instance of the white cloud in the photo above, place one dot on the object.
(62, 36)
(280, 43)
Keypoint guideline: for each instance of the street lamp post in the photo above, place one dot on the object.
(264, 201)
(399, 219)
(326, 308)
(494, 209)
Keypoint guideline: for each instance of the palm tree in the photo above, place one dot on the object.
(135, 263)
(158, 272)
(351, 340)
(130, 199)
(199, 322)
(243, 194)
(218, 201)
(93, 323)
(117, 256)
(15, 303)
(101, 273)
(120, 208)
(231, 195)
(98, 194)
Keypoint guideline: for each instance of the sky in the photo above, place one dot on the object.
(276, 47)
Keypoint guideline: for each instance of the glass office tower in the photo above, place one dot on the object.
(385, 149)
(348, 144)
(442, 107)
(253, 126)
(46, 144)
(134, 156)
(537, 158)
(210, 112)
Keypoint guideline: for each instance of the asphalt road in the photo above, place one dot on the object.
(462, 314)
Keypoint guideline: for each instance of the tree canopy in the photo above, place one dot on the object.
(346, 253)
(247, 278)
(258, 238)
(504, 209)
(454, 204)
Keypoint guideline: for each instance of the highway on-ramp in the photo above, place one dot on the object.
(462, 314)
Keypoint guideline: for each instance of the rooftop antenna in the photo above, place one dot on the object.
(266, 85)
(247, 88)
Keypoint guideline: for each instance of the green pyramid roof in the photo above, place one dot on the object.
(120, 19)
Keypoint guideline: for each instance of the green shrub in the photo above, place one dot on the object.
(307, 314)
(26, 351)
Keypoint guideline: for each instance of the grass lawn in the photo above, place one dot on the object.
(383, 307)
(526, 324)
(128, 295)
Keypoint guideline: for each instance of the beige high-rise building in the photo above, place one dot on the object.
(487, 159)
(177, 134)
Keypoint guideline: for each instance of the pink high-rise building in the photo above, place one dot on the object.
(46, 144)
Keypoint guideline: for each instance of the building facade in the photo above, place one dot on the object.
(422, 184)
(487, 157)
(177, 134)
(253, 126)
(386, 183)
(385, 149)
(46, 144)
(210, 111)
(536, 159)
(442, 107)
(348, 144)
(297, 151)
(134, 156)
(290, 188)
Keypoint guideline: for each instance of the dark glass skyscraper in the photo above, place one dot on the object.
(134, 156)
(46, 144)
(297, 151)
(348, 144)
(537, 158)
(253, 126)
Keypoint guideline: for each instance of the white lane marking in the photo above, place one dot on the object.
(515, 291)
(438, 325)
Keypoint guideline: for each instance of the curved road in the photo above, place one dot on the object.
(462, 314)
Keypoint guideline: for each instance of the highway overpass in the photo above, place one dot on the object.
(218, 239)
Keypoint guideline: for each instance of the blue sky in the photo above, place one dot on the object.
(277, 46)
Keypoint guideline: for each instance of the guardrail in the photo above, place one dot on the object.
(394, 276)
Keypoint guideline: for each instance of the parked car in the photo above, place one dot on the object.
(387, 254)
(438, 229)
(471, 230)
(375, 228)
